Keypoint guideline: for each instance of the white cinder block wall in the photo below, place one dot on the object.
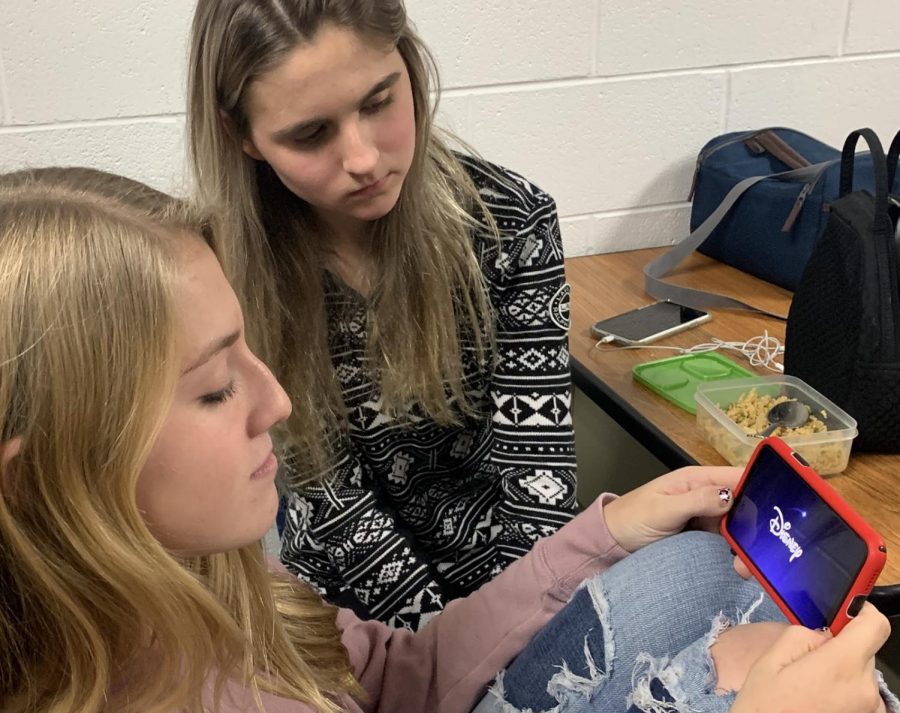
(604, 103)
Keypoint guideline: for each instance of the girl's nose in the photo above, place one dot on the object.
(360, 155)
(273, 406)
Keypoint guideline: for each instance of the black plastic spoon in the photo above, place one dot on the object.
(788, 414)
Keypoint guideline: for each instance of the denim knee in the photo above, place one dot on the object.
(636, 638)
(687, 682)
(653, 603)
(568, 659)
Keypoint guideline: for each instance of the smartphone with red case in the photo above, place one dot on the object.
(814, 555)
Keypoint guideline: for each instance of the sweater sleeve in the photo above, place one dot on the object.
(534, 445)
(446, 666)
(341, 540)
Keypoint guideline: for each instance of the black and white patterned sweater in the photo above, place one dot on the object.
(416, 514)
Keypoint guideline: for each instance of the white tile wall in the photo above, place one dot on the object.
(826, 99)
(149, 150)
(483, 43)
(93, 59)
(604, 103)
(649, 35)
(873, 27)
(3, 101)
(605, 145)
(625, 230)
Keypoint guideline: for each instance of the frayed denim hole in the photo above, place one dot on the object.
(575, 676)
(744, 617)
(892, 703)
(598, 661)
(720, 624)
(498, 692)
(654, 686)
(662, 685)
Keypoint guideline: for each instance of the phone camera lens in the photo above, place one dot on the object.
(856, 605)
(800, 459)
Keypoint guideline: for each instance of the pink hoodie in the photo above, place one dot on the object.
(445, 667)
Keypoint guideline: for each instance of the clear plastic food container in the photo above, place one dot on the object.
(827, 451)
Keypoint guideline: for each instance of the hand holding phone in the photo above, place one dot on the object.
(667, 504)
(814, 555)
(650, 323)
(808, 670)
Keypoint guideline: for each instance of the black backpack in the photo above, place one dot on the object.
(843, 328)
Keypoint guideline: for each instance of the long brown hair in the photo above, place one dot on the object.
(94, 614)
(428, 309)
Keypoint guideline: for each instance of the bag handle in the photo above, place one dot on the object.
(879, 165)
(892, 158)
(768, 141)
(881, 221)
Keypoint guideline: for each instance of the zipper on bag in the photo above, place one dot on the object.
(804, 194)
(743, 136)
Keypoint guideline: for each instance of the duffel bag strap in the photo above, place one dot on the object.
(656, 270)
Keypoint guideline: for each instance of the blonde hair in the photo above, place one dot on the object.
(428, 310)
(94, 614)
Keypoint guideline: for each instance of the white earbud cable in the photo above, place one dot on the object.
(761, 350)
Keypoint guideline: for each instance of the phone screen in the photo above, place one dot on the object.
(803, 548)
(647, 321)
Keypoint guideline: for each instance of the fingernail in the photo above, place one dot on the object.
(725, 495)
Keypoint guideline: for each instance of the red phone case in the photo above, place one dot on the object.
(877, 553)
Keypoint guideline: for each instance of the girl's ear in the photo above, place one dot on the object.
(247, 144)
(251, 150)
(8, 451)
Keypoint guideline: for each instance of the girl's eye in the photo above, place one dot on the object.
(376, 106)
(220, 396)
(311, 139)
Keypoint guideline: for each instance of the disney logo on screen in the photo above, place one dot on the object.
(781, 530)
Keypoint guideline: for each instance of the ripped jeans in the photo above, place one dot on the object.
(636, 638)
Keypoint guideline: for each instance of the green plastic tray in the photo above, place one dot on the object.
(676, 378)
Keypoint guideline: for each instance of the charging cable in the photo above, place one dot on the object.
(761, 350)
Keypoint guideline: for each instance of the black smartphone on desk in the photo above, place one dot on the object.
(650, 323)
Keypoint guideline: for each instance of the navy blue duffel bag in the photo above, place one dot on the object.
(760, 203)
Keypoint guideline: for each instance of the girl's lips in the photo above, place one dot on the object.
(268, 468)
(371, 188)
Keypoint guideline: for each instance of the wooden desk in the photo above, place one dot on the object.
(605, 285)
